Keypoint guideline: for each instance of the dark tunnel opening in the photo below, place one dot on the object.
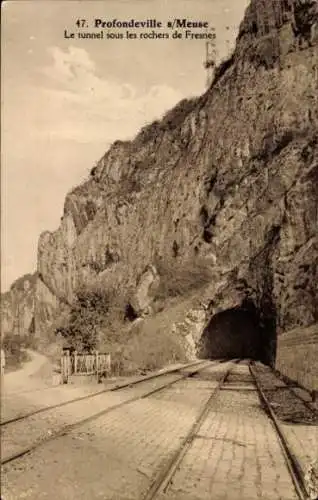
(240, 332)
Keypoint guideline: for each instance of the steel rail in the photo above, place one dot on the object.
(69, 427)
(117, 387)
(290, 460)
(162, 481)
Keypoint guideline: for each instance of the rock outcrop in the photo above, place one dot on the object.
(17, 307)
(229, 179)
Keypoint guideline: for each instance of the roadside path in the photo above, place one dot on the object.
(22, 379)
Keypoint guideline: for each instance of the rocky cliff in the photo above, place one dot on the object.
(227, 181)
(18, 305)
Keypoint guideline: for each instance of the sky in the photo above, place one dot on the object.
(65, 100)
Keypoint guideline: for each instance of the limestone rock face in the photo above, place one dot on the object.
(191, 328)
(17, 307)
(230, 178)
(145, 291)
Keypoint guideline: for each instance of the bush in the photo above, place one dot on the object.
(13, 346)
(87, 316)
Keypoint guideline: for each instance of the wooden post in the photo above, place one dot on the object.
(65, 366)
(63, 373)
(108, 364)
(97, 365)
(75, 362)
(68, 362)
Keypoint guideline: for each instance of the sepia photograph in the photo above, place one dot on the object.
(159, 250)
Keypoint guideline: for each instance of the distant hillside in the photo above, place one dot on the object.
(17, 306)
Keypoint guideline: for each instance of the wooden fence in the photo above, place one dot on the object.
(74, 363)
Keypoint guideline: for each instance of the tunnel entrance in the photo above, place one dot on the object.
(239, 333)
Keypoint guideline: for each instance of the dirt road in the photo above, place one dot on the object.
(25, 378)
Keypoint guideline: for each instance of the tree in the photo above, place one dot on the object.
(86, 319)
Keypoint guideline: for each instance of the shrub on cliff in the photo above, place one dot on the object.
(87, 316)
(151, 346)
(179, 279)
(13, 346)
(222, 68)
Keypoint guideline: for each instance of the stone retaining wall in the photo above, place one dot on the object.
(297, 354)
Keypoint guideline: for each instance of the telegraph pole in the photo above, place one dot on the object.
(210, 58)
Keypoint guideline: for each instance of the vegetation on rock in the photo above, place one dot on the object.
(15, 350)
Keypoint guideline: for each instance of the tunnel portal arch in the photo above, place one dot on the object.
(239, 332)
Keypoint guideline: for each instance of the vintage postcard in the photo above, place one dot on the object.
(159, 334)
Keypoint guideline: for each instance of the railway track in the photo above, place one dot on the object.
(188, 370)
(116, 387)
(238, 376)
(160, 485)
(290, 460)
